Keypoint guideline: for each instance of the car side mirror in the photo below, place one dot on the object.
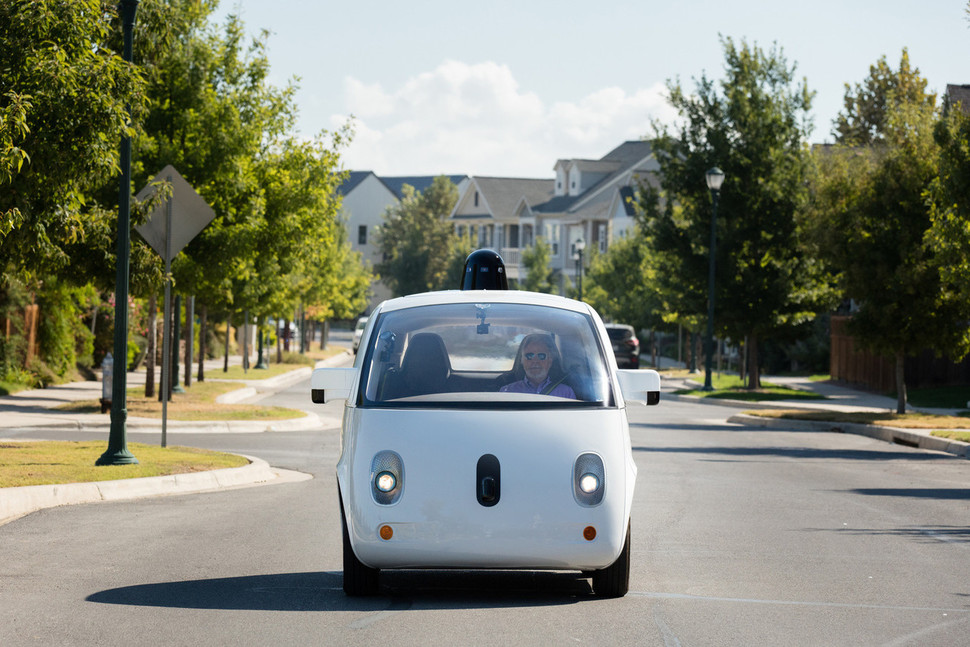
(328, 384)
(641, 386)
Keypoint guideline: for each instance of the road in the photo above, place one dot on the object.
(740, 537)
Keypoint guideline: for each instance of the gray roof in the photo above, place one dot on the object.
(959, 93)
(504, 194)
(419, 182)
(629, 152)
(353, 179)
(619, 161)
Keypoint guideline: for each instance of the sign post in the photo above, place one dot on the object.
(168, 230)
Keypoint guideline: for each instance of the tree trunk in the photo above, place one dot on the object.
(286, 335)
(754, 368)
(225, 361)
(189, 338)
(900, 383)
(691, 359)
(203, 313)
(279, 343)
(152, 343)
(743, 360)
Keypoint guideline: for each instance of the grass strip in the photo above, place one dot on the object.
(889, 419)
(56, 462)
(197, 403)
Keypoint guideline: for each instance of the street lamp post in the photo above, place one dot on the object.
(117, 452)
(715, 177)
(579, 246)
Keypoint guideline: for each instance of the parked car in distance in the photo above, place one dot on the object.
(358, 332)
(626, 346)
(449, 461)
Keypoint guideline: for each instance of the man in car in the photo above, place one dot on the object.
(539, 361)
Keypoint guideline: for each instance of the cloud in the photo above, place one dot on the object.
(476, 119)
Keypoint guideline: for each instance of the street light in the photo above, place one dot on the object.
(117, 452)
(579, 246)
(715, 177)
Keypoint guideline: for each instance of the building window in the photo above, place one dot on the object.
(362, 235)
(476, 198)
(601, 237)
(552, 236)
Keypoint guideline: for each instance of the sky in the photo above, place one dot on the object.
(505, 88)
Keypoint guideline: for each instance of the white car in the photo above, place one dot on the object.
(447, 461)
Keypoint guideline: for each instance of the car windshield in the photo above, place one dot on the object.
(486, 354)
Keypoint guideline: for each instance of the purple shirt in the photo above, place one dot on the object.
(524, 386)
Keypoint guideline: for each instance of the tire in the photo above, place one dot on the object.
(359, 579)
(614, 580)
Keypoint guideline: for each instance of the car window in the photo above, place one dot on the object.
(475, 355)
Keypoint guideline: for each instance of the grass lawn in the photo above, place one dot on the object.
(730, 387)
(47, 462)
(197, 403)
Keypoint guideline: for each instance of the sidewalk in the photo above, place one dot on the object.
(37, 409)
(838, 398)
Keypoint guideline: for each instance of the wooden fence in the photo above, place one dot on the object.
(850, 363)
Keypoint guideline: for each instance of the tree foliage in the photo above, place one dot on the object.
(949, 199)
(416, 240)
(198, 97)
(753, 125)
(875, 225)
(867, 105)
(621, 284)
(535, 260)
(64, 98)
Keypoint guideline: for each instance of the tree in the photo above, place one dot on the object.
(866, 106)
(64, 98)
(535, 260)
(875, 224)
(415, 237)
(754, 129)
(949, 194)
(608, 288)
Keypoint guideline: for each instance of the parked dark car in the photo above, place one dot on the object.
(626, 346)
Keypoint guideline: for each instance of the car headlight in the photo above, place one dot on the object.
(589, 479)
(385, 482)
(387, 477)
(589, 483)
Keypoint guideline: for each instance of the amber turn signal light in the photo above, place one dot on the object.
(386, 532)
(589, 533)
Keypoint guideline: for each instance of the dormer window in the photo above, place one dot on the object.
(476, 198)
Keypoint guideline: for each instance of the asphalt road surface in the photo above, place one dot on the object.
(740, 537)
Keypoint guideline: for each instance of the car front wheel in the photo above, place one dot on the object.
(614, 580)
(359, 579)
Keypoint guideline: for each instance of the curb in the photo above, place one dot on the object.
(894, 435)
(18, 501)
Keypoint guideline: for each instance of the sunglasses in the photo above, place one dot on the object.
(535, 355)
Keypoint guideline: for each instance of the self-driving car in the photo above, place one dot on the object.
(485, 429)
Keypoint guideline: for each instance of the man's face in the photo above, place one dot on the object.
(536, 360)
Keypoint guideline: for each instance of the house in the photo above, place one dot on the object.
(588, 200)
(366, 197)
